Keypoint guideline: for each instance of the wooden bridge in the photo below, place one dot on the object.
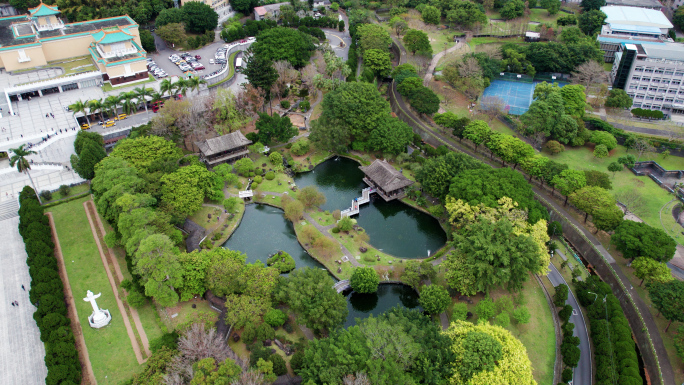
(342, 286)
(354, 209)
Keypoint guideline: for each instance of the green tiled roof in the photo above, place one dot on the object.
(44, 10)
(117, 36)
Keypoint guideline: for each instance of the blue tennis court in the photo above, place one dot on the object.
(517, 96)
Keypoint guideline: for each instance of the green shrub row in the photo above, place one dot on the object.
(47, 293)
(598, 124)
(651, 114)
(614, 349)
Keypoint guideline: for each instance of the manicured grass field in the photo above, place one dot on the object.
(109, 348)
(653, 196)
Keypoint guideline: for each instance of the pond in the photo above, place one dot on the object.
(263, 231)
(388, 296)
(393, 227)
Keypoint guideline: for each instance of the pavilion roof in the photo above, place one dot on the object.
(386, 176)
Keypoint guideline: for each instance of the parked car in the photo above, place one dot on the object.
(198, 57)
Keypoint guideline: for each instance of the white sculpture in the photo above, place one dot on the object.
(100, 317)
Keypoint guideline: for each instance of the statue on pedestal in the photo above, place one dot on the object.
(100, 317)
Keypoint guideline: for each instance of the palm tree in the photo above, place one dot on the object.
(156, 97)
(181, 85)
(113, 102)
(194, 83)
(23, 165)
(142, 94)
(166, 87)
(80, 106)
(96, 105)
(127, 103)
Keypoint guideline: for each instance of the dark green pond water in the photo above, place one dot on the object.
(263, 231)
(393, 227)
(388, 296)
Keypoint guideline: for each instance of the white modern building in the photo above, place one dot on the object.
(647, 20)
(652, 75)
(650, 4)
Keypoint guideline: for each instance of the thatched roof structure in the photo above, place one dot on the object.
(385, 176)
(223, 143)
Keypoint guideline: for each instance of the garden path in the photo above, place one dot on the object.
(436, 59)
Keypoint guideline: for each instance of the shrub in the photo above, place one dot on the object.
(258, 179)
(554, 147)
(297, 361)
(275, 158)
(502, 320)
(282, 261)
(650, 114)
(300, 147)
(345, 224)
(567, 375)
(230, 203)
(521, 315)
(46, 195)
(270, 175)
(565, 313)
(337, 215)
(600, 151)
(64, 190)
(335, 230)
(605, 138)
(285, 104)
(136, 299)
(365, 280)
(275, 317)
(305, 105)
(561, 295)
(279, 367)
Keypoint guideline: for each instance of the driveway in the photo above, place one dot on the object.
(582, 373)
(335, 38)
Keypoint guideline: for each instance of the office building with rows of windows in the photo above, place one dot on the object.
(652, 75)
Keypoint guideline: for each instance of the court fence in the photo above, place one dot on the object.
(540, 77)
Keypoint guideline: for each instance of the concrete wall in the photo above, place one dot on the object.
(10, 59)
(61, 49)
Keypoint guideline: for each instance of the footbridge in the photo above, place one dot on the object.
(342, 286)
(354, 209)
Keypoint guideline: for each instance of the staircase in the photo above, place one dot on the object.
(9, 209)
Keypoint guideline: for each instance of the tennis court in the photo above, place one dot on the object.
(517, 96)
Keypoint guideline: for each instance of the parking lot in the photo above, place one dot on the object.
(161, 57)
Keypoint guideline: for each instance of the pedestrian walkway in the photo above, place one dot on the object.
(357, 202)
(21, 351)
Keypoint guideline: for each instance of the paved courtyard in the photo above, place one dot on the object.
(21, 351)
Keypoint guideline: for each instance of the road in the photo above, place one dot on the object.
(582, 373)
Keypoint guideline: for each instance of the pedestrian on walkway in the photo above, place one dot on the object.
(16, 303)
(23, 288)
(12, 303)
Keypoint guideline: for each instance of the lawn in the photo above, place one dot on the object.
(280, 184)
(324, 218)
(202, 217)
(327, 260)
(73, 191)
(76, 65)
(653, 196)
(109, 348)
(184, 312)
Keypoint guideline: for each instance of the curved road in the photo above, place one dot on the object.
(582, 373)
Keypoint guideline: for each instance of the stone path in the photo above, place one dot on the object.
(122, 308)
(436, 59)
(88, 374)
(21, 351)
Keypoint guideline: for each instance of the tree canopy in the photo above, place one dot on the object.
(364, 280)
(274, 128)
(144, 151)
(400, 346)
(309, 293)
(488, 185)
(283, 43)
(668, 298)
(437, 173)
(637, 239)
(488, 354)
(199, 17)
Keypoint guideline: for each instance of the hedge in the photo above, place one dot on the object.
(650, 114)
(614, 349)
(47, 293)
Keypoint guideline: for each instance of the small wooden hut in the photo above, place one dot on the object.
(387, 181)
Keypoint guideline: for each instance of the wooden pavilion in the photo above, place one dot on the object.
(224, 149)
(387, 181)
